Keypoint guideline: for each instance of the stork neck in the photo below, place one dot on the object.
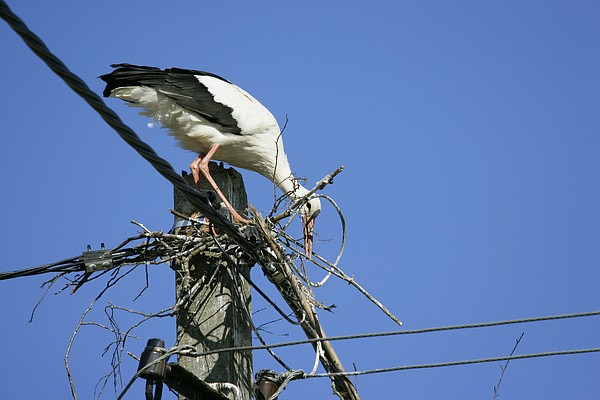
(290, 185)
(283, 176)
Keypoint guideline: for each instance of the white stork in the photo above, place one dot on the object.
(217, 120)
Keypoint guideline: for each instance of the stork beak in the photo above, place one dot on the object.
(308, 229)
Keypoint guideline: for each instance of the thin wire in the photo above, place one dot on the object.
(453, 363)
(340, 251)
(396, 333)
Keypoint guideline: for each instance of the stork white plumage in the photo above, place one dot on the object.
(216, 119)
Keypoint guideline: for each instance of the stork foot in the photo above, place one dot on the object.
(200, 165)
(195, 169)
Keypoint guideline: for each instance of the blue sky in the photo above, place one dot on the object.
(470, 136)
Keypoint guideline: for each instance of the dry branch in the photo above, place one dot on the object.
(272, 248)
(503, 368)
(288, 285)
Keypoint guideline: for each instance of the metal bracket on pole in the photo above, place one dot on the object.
(97, 260)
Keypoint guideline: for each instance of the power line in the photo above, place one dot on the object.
(119, 256)
(397, 333)
(198, 199)
(73, 264)
(299, 374)
(454, 363)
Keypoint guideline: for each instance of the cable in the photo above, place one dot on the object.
(198, 199)
(73, 264)
(119, 256)
(396, 333)
(453, 363)
(299, 374)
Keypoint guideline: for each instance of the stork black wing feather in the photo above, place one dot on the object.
(181, 85)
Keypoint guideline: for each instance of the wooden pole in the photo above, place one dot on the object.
(218, 313)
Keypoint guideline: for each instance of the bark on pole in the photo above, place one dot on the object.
(218, 315)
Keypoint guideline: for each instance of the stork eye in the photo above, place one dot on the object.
(308, 206)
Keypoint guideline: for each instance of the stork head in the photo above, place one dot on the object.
(309, 212)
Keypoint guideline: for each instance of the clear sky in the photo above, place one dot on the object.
(470, 133)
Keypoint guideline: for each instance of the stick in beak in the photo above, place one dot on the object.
(308, 229)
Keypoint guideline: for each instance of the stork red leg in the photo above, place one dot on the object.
(200, 164)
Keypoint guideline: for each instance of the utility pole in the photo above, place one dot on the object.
(218, 313)
(217, 308)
